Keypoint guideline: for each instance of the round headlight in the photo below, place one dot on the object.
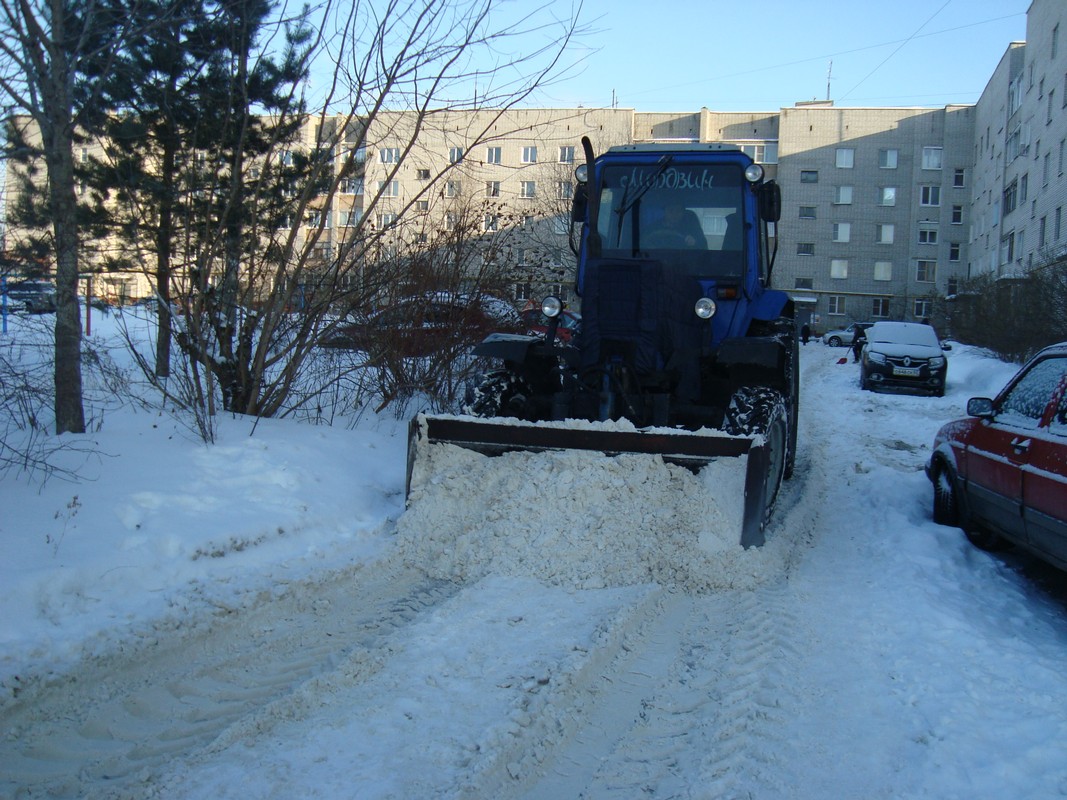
(581, 173)
(551, 306)
(705, 308)
(753, 173)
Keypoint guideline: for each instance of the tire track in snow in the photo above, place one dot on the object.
(114, 721)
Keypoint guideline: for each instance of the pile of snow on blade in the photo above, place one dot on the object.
(577, 519)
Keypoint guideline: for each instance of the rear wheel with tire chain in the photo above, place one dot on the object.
(498, 394)
(759, 411)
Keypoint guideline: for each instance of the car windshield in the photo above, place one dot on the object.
(688, 213)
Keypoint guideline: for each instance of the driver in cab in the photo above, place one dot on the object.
(679, 228)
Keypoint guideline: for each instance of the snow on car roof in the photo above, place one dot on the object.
(902, 333)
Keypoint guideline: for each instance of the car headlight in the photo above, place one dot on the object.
(937, 362)
(875, 357)
(551, 306)
(705, 308)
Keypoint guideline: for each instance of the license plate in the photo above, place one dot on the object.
(906, 372)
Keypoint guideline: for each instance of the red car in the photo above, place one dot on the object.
(419, 326)
(537, 323)
(1001, 474)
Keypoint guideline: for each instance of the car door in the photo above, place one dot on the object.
(999, 449)
(1045, 477)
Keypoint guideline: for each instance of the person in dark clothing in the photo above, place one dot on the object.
(858, 341)
(805, 333)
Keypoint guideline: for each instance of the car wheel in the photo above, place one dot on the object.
(946, 503)
(834, 341)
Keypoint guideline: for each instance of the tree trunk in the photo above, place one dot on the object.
(57, 134)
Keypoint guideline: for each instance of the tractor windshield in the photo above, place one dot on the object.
(688, 215)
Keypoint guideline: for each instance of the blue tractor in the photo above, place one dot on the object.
(681, 334)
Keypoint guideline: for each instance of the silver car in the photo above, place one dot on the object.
(844, 336)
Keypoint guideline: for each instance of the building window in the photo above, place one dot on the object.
(884, 234)
(931, 158)
(953, 251)
(887, 159)
(451, 220)
(493, 155)
(927, 234)
(846, 157)
(835, 304)
(1056, 220)
(959, 179)
(360, 155)
(522, 291)
(839, 268)
(842, 231)
(1007, 248)
(809, 176)
(423, 205)
(930, 195)
(565, 190)
(925, 271)
(843, 195)
(805, 248)
(879, 307)
(455, 155)
(529, 154)
(385, 220)
(422, 174)
(491, 222)
(807, 212)
(527, 189)
(957, 215)
(524, 257)
(389, 155)
(887, 196)
(451, 188)
(921, 309)
(352, 186)
(566, 154)
(352, 217)
(389, 188)
(804, 283)
(883, 270)
(492, 188)
(1011, 196)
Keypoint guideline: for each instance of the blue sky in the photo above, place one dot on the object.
(680, 55)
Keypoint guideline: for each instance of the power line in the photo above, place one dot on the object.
(901, 45)
(823, 57)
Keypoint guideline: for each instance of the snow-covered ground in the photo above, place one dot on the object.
(259, 619)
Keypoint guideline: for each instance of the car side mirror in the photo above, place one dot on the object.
(981, 407)
(946, 345)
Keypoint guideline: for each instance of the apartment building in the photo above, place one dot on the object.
(885, 209)
(1019, 196)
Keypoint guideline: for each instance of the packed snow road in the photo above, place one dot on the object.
(863, 652)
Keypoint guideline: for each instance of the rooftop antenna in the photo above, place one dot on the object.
(829, 72)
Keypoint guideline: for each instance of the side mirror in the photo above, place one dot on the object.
(946, 345)
(981, 407)
(580, 203)
(770, 202)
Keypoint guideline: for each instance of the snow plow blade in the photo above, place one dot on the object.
(687, 449)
